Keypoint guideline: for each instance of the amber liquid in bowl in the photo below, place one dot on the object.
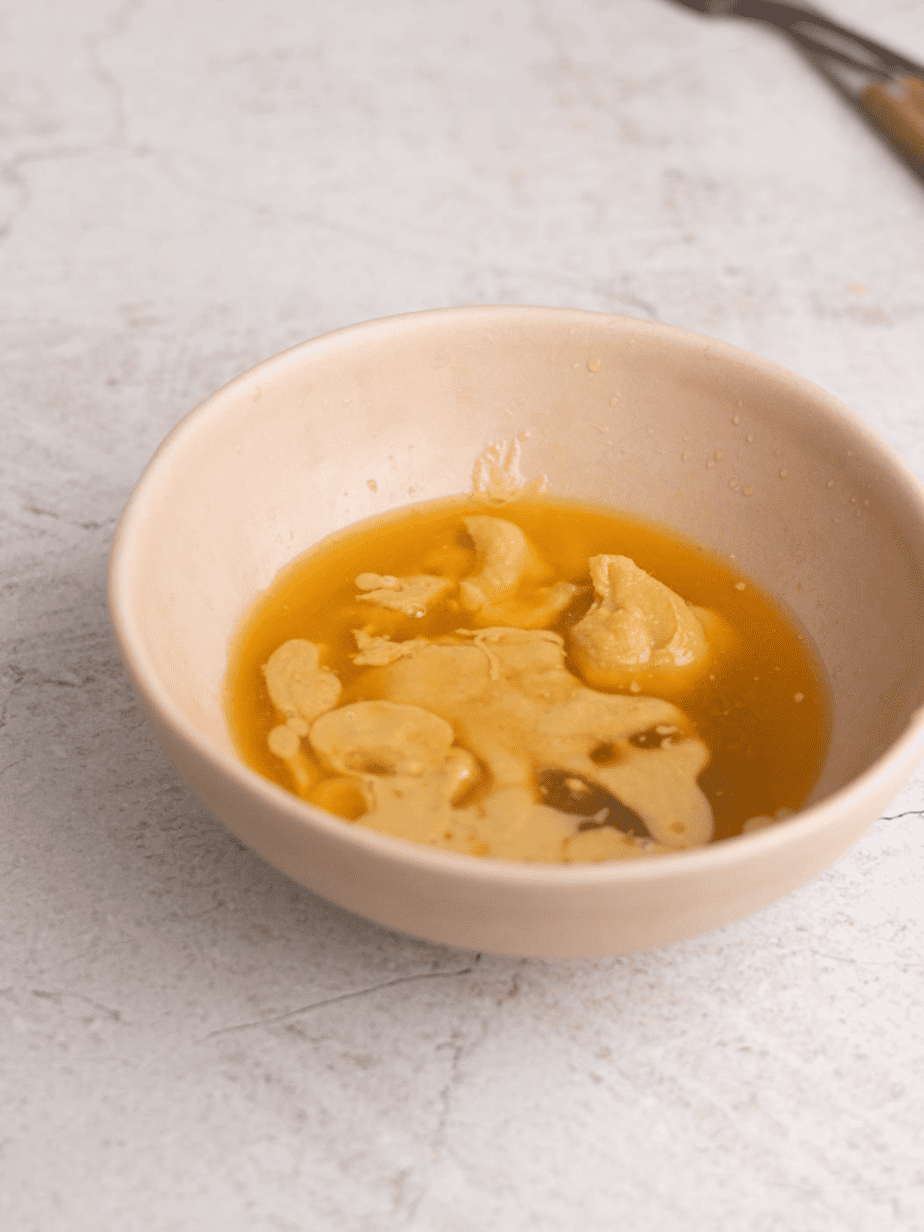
(763, 709)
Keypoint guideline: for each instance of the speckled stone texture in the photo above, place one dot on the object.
(190, 1041)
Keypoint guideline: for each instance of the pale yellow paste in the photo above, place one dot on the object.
(447, 748)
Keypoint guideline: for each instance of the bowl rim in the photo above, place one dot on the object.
(905, 751)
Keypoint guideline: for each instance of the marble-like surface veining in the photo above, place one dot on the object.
(189, 1040)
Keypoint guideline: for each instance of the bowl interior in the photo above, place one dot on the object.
(739, 455)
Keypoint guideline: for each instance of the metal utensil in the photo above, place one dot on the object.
(885, 86)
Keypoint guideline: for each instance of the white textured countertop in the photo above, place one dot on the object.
(190, 1041)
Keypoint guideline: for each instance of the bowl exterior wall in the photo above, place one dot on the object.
(512, 912)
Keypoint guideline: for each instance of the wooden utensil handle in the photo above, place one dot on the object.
(897, 109)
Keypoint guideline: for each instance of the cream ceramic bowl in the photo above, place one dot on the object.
(738, 454)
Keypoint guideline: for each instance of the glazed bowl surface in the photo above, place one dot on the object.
(741, 456)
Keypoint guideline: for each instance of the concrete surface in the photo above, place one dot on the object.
(188, 1040)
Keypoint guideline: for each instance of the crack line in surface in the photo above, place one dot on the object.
(56, 996)
(345, 996)
(438, 1140)
(462, 1049)
(852, 961)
